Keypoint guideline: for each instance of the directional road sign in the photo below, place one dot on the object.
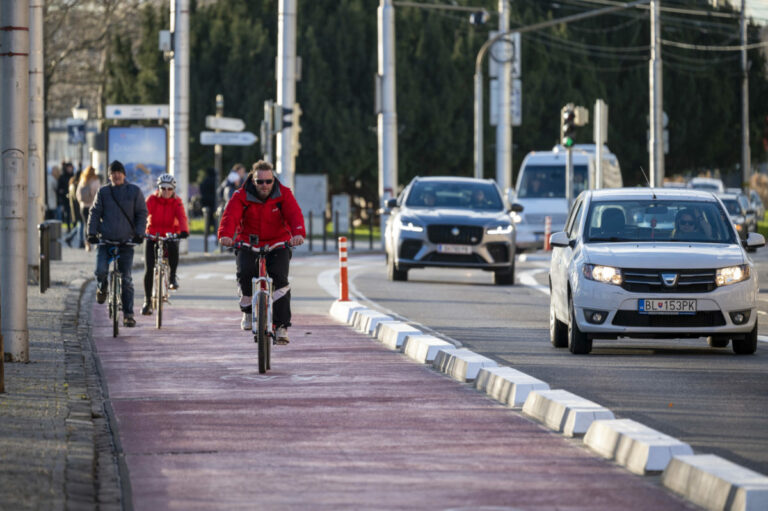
(234, 138)
(224, 123)
(138, 111)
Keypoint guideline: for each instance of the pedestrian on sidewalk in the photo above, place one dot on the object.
(166, 216)
(119, 213)
(266, 208)
(87, 188)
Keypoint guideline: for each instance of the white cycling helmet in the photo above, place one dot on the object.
(166, 179)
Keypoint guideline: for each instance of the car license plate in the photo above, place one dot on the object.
(666, 306)
(454, 249)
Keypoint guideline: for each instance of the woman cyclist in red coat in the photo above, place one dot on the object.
(166, 215)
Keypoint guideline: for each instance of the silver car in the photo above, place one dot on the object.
(451, 222)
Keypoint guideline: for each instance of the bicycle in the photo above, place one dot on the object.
(261, 301)
(114, 282)
(162, 274)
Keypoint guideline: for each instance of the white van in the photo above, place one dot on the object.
(541, 188)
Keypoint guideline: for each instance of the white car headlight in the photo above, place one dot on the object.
(605, 274)
(516, 217)
(731, 274)
(406, 224)
(500, 229)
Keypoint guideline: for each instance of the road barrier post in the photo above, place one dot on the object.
(343, 285)
(547, 232)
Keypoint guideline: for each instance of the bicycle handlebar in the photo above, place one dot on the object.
(264, 248)
(126, 243)
(169, 236)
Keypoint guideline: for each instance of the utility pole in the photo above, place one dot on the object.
(746, 164)
(179, 102)
(286, 84)
(217, 149)
(36, 155)
(504, 128)
(387, 115)
(656, 128)
(14, 144)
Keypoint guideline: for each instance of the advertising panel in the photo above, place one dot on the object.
(143, 150)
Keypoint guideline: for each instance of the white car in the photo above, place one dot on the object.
(658, 263)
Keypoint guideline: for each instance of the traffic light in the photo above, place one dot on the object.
(567, 125)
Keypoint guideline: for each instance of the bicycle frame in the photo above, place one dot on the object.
(160, 291)
(114, 281)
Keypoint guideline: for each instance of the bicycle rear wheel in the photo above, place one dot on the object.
(262, 337)
(158, 296)
(114, 303)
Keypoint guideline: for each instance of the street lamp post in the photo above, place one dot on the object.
(80, 113)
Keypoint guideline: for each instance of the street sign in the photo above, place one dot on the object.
(515, 103)
(505, 49)
(138, 111)
(75, 131)
(224, 123)
(232, 138)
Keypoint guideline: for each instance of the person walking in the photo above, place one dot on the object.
(87, 188)
(119, 213)
(62, 192)
(166, 215)
(266, 208)
(51, 184)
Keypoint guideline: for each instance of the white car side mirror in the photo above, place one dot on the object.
(755, 240)
(559, 239)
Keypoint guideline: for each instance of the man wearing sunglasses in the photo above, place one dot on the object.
(263, 207)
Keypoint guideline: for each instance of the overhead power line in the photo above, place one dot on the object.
(703, 47)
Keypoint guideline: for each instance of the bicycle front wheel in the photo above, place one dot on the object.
(262, 336)
(114, 303)
(158, 296)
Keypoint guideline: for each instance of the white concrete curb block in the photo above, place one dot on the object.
(393, 333)
(365, 320)
(508, 385)
(342, 311)
(460, 363)
(424, 348)
(715, 483)
(564, 412)
(633, 445)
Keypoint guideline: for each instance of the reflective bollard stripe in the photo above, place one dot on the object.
(343, 284)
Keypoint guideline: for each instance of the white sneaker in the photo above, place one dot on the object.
(281, 335)
(245, 324)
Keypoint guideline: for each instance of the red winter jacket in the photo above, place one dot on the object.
(276, 219)
(166, 215)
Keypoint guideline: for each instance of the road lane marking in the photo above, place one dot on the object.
(527, 279)
(762, 338)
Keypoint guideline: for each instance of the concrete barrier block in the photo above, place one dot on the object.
(460, 363)
(365, 320)
(508, 385)
(424, 348)
(393, 333)
(716, 483)
(342, 311)
(564, 412)
(637, 447)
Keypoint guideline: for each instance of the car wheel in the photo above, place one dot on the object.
(558, 331)
(505, 277)
(393, 272)
(748, 344)
(715, 341)
(578, 342)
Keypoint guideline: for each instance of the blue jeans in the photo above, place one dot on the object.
(124, 265)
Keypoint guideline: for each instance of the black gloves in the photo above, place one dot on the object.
(183, 235)
(138, 240)
(93, 239)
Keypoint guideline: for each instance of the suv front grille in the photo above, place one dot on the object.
(650, 281)
(409, 249)
(701, 318)
(463, 234)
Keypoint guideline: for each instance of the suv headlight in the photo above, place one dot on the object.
(516, 217)
(731, 274)
(604, 274)
(408, 224)
(499, 229)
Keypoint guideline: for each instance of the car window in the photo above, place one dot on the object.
(657, 220)
(733, 206)
(479, 195)
(744, 202)
(548, 181)
(574, 220)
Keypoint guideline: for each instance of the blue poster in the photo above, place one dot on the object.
(142, 150)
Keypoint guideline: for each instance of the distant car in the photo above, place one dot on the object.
(741, 213)
(451, 222)
(706, 183)
(652, 263)
(757, 204)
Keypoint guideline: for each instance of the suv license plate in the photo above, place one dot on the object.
(666, 306)
(454, 249)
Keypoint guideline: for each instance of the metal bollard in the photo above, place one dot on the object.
(336, 229)
(324, 233)
(343, 283)
(351, 235)
(206, 227)
(45, 259)
(310, 230)
(370, 229)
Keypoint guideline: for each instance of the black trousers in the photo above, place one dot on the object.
(149, 263)
(278, 262)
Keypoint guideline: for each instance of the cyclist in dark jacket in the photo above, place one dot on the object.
(264, 207)
(119, 213)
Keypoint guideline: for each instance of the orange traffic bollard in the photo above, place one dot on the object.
(547, 232)
(343, 285)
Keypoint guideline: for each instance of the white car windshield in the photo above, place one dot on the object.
(461, 195)
(658, 221)
(548, 181)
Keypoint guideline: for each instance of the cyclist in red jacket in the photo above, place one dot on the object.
(264, 207)
(166, 215)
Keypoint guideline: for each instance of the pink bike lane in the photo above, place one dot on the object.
(340, 422)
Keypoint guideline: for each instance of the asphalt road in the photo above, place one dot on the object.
(712, 399)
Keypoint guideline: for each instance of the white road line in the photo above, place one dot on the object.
(527, 279)
(762, 338)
